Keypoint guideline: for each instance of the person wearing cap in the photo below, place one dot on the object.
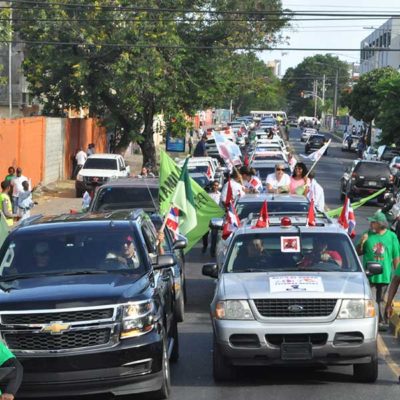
(16, 184)
(380, 245)
(200, 150)
(278, 181)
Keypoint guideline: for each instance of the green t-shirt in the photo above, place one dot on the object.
(9, 178)
(382, 249)
(5, 353)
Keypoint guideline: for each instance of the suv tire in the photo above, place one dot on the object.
(163, 392)
(366, 373)
(222, 370)
(175, 337)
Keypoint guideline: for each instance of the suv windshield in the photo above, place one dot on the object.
(372, 169)
(306, 252)
(118, 198)
(243, 209)
(101, 163)
(198, 168)
(68, 252)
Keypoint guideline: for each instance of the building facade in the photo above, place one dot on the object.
(386, 36)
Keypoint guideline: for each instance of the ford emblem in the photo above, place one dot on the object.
(295, 308)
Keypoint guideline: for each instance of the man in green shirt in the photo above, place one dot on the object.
(380, 245)
(14, 378)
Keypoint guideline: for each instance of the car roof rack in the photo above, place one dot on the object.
(297, 218)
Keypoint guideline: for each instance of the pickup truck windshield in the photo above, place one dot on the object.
(101, 163)
(306, 252)
(77, 251)
(243, 209)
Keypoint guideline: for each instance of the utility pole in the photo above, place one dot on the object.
(323, 90)
(10, 64)
(335, 100)
(315, 98)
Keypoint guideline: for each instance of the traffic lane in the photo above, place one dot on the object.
(328, 172)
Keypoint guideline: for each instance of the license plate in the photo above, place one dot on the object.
(296, 351)
(372, 183)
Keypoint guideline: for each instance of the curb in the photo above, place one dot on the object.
(395, 319)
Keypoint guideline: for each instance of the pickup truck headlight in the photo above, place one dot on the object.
(137, 319)
(356, 309)
(233, 309)
(79, 178)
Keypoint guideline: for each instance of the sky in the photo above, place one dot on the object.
(329, 34)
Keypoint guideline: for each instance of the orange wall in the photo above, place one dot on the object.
(22, 145)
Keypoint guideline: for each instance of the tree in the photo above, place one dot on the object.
(301, 79)
(388, 117)
(364, 102)
(128, 63)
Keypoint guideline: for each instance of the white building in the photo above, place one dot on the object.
(386, 36)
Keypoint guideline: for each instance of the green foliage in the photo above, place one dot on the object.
(126, 85)
(388, 117)
(301, 79)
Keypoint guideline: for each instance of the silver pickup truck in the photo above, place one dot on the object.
(293, 295)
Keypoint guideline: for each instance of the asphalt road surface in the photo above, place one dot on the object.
(192, 375)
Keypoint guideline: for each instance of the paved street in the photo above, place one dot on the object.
(192, 375)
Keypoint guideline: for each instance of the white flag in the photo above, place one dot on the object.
(316, 155)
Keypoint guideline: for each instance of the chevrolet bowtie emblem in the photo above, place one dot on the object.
(56, 328)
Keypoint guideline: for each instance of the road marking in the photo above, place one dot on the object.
(384, 351)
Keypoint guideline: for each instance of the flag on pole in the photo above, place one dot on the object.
(256, 184)
(232, 221)
(347, 218)
(263, 219)
(173, 220)
(183, 199)
(316, 155)
(229, 151)
(229, 194)
(311, 215)
(209, 172)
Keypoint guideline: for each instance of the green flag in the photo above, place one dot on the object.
(183, 199)
(4, 229)
(205, 206)
(337, 211)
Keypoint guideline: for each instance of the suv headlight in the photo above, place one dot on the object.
(137, 319)
(79, 178)
(233, 309)
(356, 309)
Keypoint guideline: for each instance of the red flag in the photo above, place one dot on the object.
(209, 172)
(173, 220)
(311, 215)
(347, 218)
(232, 221)
(263, 219)
(246, 160)
(229, 194)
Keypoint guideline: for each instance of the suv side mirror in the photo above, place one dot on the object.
(210, 269)
(164, 261)
(180, 243)
(373, 268)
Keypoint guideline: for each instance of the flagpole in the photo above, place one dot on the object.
(316, 161)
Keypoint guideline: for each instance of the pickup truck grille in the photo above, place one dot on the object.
(67, 316)
(65, 341)
(281, 308)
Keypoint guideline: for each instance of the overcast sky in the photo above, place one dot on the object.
(330, 34)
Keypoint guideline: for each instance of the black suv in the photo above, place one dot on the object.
(364, 178)
(126, 193)
(87, 305)
(315, 142)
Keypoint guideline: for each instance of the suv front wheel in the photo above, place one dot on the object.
(366, 373)
(163, 392)
(222, 370)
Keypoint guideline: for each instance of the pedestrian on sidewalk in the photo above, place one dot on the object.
(25, 202)
(380, 245)
(17, 188)
(190, 144)
(5, 203)
(11, 174)
(200, 150)
(80, 158)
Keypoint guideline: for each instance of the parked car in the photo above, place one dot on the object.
(87, 305)
(99, 169)
(290, 295)
(364, 178)
(315, 142)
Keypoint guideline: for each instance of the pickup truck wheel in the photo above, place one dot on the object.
(175, 336)
(163, 392)
(222, 370)
(366, 373)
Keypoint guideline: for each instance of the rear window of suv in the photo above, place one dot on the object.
(372, 169)
(101, 163)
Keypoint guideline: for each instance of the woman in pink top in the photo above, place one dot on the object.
(298, 181)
